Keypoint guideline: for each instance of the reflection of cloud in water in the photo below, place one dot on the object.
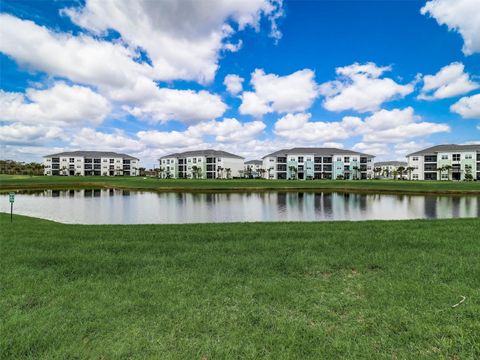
(96, 206)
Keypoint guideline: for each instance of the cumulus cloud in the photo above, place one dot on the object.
(462, 16)
(61, 104)
(233, 83)
(229, 130)
(21, 134)
(183, 105)
(183, 39)
(361, 88)
(397, 125)
(450, 81)
(377, 149)
(273, 93)
(298, 127)
(117, 140)
(468, 107)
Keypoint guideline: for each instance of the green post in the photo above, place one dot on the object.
(11, 197)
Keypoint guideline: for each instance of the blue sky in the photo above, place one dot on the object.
(150, 77)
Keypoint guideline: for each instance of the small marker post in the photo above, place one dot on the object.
(11, 197)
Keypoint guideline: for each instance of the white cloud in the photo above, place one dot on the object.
(183, 105)
(73, 57)
(183, 39)
(233, 83)
(468, 107)
(60, 105)
(229, 130)
(397, 125)
(450, 81)
(117, 140)
(403, 149)
(462, 16)
(20, 134)
(377, 149)
(274, 93)
(298, 127)
(360, 88)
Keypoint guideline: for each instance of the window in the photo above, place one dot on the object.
(64, 159)
(168, 162)
(300, 159)
(71, 159)
(96, 161)
(194, 160)
(456, 157)
(199, 159)
(339, 158)
(415, 158)
(444, 157)
(112, 161)
(271, 160)
(309, 159)
(346, 159)
(468, 156)
(354, 159)
(415, 176)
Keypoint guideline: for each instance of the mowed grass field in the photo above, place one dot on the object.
(14, 182)
(349, 290)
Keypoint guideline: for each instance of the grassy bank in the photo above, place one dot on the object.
(9, 183)
(260, 290)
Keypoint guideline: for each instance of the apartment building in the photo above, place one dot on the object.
(82, 163)
(446, 162)
(389, 169)
(253, 169)
(318, 163)
(201, 164)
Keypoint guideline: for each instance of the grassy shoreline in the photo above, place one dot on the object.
(374, 289)
(16, 183)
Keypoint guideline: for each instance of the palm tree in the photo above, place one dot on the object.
(377, 170)
(409, 170)
(220, 172)
(447, 168)
(395, 174)
(262, 172)
(64, 170)
(401, 170)
(293, 172)
(468, 173)
(269, 170)
(229, 172)
(355, 172)
(386, 172)
(195, 171)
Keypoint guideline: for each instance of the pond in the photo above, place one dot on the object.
(136, 207)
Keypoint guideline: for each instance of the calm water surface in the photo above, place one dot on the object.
(134, 207)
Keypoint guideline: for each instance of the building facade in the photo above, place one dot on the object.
(389, 169)
(254, 169)
(446, 162)
(318, 163)
(84, 163)
(201, 164)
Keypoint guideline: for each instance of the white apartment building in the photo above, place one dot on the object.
(83, 163)
(446, 162)
(253, 169)
(388, 169)
(318, 163)
(201, 164)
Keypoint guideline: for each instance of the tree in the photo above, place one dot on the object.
(228, 172)
(269, 170)
(377, 170)
(196, 171)
(447, 168)
(409, 170)
(468, 173)
(262, 172)
(395, 174)
(401, 171)
(220, 172)
(293, 172)
(64, 170)
(355, 169)
(386, 172)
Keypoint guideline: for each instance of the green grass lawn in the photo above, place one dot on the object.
(9, 182)
(343, 290)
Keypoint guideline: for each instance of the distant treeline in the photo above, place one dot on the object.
(12, 167)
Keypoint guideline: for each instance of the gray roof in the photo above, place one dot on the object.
(446, 148)
(316, 151)
(391, 163)
(93, 154)
(254, 162)
(206, 153)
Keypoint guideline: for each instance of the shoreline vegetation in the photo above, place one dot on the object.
(371, 289)
(19, 182)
